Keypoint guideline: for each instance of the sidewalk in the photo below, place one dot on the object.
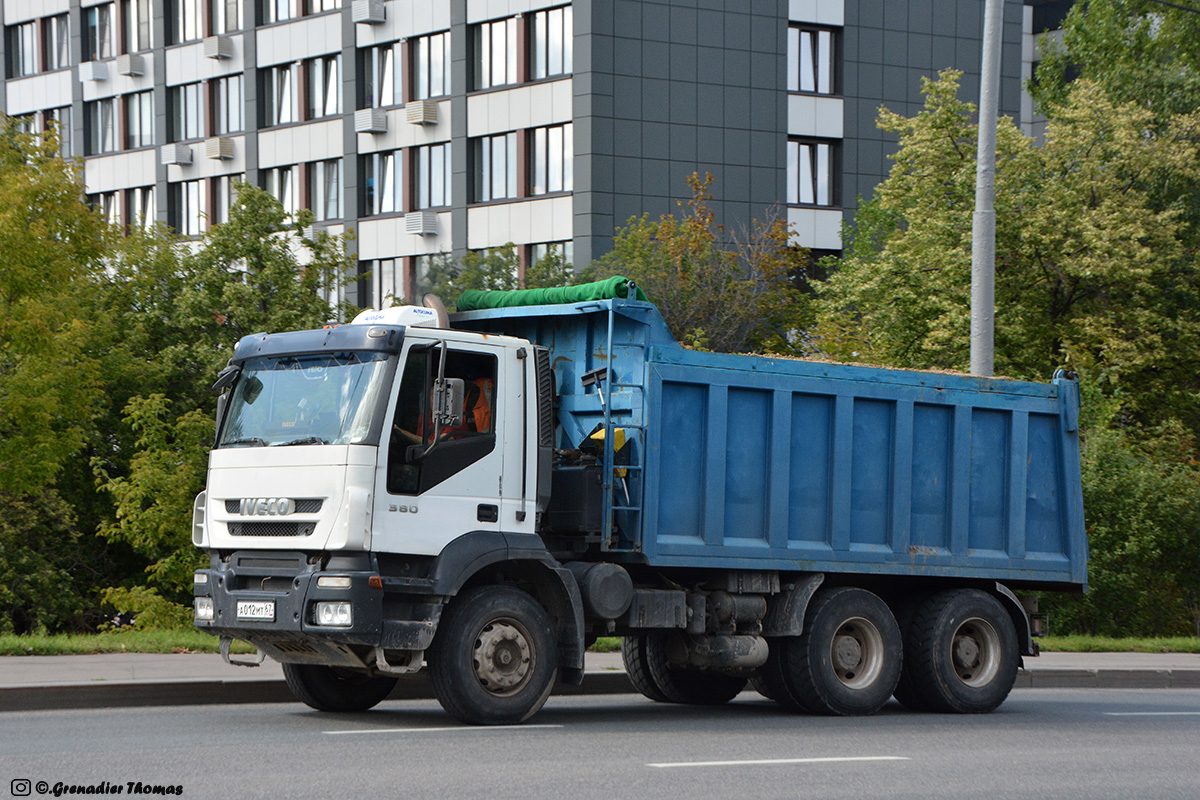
(29, 683)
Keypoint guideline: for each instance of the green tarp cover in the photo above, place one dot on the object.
(616, 286)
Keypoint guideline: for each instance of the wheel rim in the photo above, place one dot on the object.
(856, 653)
(503, 657)
(975, 652)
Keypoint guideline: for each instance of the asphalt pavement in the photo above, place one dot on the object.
(30, 683)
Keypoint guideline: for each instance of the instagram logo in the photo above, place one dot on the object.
(20, 787)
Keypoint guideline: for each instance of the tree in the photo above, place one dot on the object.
(1091, 272)
(51, 244)
(1094, 272)
(720, 295)
(495, 269)
(183, 312)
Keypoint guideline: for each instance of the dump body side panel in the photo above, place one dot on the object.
(767, 463)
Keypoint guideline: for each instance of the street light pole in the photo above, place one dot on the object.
(983, 233)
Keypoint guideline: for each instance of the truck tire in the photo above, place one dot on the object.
(334, 689)
(773, 676)
(633, 653)
(847, 661)
(494, 658)
(962, 652)
(906, 691)
(688, 686)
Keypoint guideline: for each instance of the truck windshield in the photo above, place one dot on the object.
(328, 398)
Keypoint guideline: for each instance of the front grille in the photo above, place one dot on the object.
(304, 505)
(272, 528)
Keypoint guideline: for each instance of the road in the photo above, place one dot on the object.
(1045, 743)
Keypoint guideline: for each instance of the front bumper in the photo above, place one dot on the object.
(290, 582)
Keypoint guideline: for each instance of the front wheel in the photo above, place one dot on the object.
(335, 689)
(494, 658)
(962, 652)
(847, 661)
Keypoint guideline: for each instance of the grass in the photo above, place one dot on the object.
(1105, 644)
(194, 641)
(131, 641)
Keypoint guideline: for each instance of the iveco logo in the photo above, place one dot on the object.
(267, 507)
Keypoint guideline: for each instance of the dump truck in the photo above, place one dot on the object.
(483, 495)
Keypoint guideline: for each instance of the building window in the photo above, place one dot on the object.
(226, 15)
(60, 119)
(381, 184)
(387, 281)
(495, 62)
(811, 168)
(137, 26)
(277, 11)
(324, 88)
(187, 120)
(431, 66)
(98, 33)
(185, 21)
(224, 195)
(141, 207)
(551, 43)
(552, 157)
(379, 79)
(325, 189)
(433, 176)
(564, 252)
(139, 120)
(811, 61)
(495, 167)
(187, 207)
(58, 42)
(279, 95)
(227, 105)
(24, 123)
(101, 127)
(318, 6)
(22, 49)
(108, 204)
(280, 183)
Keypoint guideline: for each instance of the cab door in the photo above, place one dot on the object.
(435, 482)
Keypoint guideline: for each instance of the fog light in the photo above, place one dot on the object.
(204, 608)
(334, 614)
(333, 582)
(200, 578)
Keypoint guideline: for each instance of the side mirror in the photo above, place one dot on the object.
(448, 394)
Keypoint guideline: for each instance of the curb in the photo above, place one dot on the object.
(130, 694)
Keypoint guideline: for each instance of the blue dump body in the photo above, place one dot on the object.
(767, 463)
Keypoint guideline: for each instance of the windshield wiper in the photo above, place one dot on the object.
(254, 440)
(305, 440)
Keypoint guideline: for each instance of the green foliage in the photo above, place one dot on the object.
(127, 639)
(725, 296)
(39, 554)
(182, 313)
(1094, 271)
(50, 249)
(151, 611)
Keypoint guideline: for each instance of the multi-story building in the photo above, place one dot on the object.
(442, 126)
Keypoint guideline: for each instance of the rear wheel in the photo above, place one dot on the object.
(847, 661)
(906, 691)
(633, 653)
(688, 686)
(334, 689)
(773, 675)
(962, 652)
(494, 659)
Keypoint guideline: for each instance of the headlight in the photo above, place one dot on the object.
(203, 607)
(333, 614)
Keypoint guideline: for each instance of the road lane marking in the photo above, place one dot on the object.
(768, 761)
(1152, 713)
(459, 728)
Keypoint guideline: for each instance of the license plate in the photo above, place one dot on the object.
(256, 609)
